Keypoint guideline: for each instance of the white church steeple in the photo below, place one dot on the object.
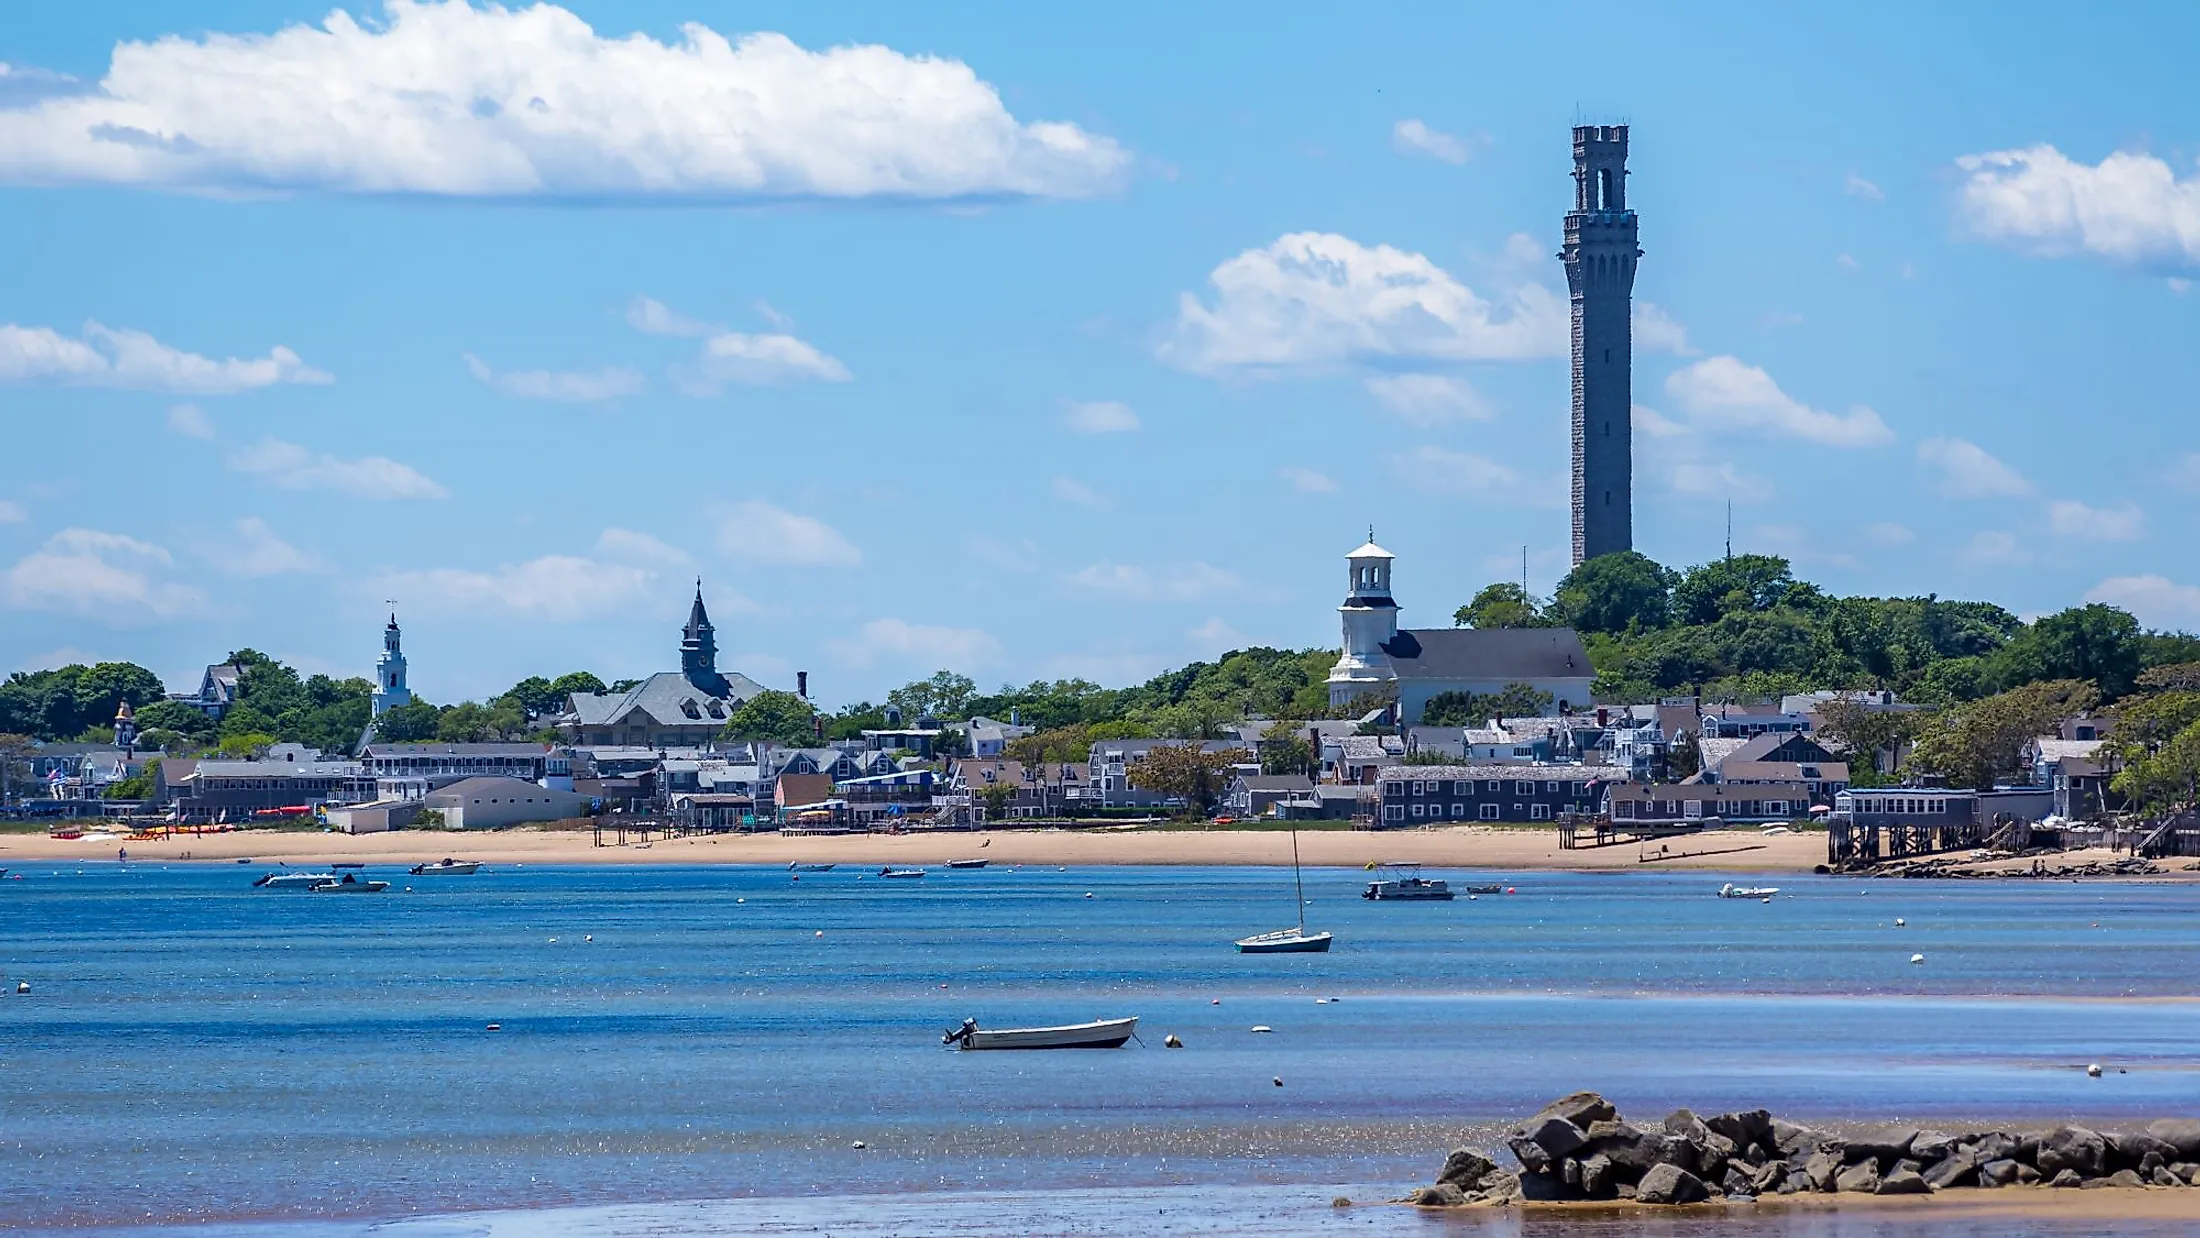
(389, 672)
(1370, 622)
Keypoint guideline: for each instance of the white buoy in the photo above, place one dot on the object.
(1899, 922)
(1321, 1001)
(821, 932)
(1088, 894)
(590, 937)
(22, 986)
(740, 900)
(858, 1145)
(553, 941)
(1262, 1027)
(2093, 1071)
(1917, 958)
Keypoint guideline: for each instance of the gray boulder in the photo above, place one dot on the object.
(2182, 1134)
(1596, 1176)
(1887, 1145)
(2131, 1151)
(1751, 1128)
(1532, 1156)
(2187, 1170)
(2122, 1177)
(1930, 1146)
(1579, 1108)
(2066, 1178)
(1992, 1146)
(1442, 1195)
(1904, 1182)
(1736, 1181)
(1610, 1128)
(2074, 1148)
(1792, 1139)
(1557, 1136)
(1498, 1188)
(1770, 1176)
(1823, 1171)
(1545, 1187)
(1956, 1170)
(2163, 1177)
(1670, 1184)
(1861, 1178)
(1674, 1150)
(1630, 1150)
(1465, 1167)
(1998, 1173)
(2026, 1175)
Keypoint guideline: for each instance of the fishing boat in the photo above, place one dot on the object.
(455, 868)
(351, 885)
(1730, 890)
(809, 868)
(1290, 940)
(1489, 889)
(1098, 1034)
(968, 863)
(292, 881)
(1404, 883)
(901, 872)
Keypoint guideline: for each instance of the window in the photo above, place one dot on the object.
(1458, 812)
(1496, 785)
(1416, 811)
(1464, 786)
(1522, 786)
(1539, 812)
(1393, 812)
(1489, 812)
(1551, 787)
(1623, 810)
(1394, 788)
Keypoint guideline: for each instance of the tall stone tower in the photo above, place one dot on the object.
(699, 648)
(1600, 259)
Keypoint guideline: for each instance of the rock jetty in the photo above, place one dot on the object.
(1579, 1148)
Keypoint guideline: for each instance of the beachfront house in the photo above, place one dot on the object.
(1449, 794)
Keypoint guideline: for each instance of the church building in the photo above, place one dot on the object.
(1418, 663)
(389, 671)
(671, 709)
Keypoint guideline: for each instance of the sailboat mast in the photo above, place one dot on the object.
(1298, 880)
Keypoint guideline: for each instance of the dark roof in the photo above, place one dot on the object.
(1503, 654)
(1779, 746)
(1276, 782)
(454, 750)
(1525, 773)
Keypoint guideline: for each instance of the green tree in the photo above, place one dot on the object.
(1475, 709)
(1710, 591)
(1620, 592)
(15, 769)
(137, 786)
(2095, 642)
(781, 717)
(464, 723)
(998, 796)
(413, 722)
(177, 717)
(1873, 738)
(1284, 749)
(245, 746)
(2156, 741)
(1981, 742)
(1502, 605)
(1683, 757)
(1187, 773)
(945, 695)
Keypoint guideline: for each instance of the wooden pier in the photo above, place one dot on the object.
(1602, 831)
(1849, 843)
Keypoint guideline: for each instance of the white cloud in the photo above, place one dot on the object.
(1098, 417)
(1183, 582)
(897, 642)
(1725, 393)
(754, 531)
(2157, 601)
(1681, 456)
(256, 551)
(1657, 331)
(190, 421)
(1968, 472)
(2130, 209)
(291, 467)
(96, 574)
(1858, 187)
(559, 588)
(1413, 137)
(12, 512)
(760, 360)
(446, 99)
(132, 360)
(1307, 481)
(1429, 399)
(1070, 490)
(1995, 546)
(1888, 533)
(561, 386)
(1316, 299)
(653, 317)
(2071, 518)
(627, 546)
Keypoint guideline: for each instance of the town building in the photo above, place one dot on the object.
(389, 671)
(1382, 661)
(1600, 255)
(1440, 794)
(211, 790)
(1683, 802)
(670, 709)
(1258, 795)
(490, 803)
(217, 690)
(410, 771)
(1109, 764)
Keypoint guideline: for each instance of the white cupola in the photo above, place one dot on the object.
(1370, 622)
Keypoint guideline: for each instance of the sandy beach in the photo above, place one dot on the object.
(1450, 847)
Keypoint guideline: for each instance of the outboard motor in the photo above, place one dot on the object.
(961, 1033)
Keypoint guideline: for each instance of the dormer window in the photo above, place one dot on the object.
(688, 707)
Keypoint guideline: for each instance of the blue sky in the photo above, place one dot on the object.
(1052, 340)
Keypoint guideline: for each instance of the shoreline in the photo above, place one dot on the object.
(1450, 847)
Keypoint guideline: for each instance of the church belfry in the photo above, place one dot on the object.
(1600, 259)
(389, 671)
(699, 648)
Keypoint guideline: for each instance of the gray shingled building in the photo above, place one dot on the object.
(671, 709)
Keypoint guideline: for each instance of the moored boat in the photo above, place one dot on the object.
(968, 863)
(455, 868)
(799, 867)
(1285, 941)
(1406, 884)
(901, 872)
(1730, 890)
(1098, 1034)
(292, 881)
(351, 885)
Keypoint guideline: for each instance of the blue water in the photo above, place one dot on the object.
(194, 1050)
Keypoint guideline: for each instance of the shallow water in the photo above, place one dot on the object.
(195, 1050)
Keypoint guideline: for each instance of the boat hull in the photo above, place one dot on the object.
(464, 868)
(1388, 892)
(1287, 942)
(968, 863)
(1100, 1034)
(351, 887)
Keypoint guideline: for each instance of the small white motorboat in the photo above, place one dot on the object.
(968, 863)
(455, 868)
(1730, 890)
(1285, 941)
(799, 867)
(351, 885)
(901, 872)
(292, 881)
(1098, 1034)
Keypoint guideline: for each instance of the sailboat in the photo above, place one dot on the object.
(1290, 940)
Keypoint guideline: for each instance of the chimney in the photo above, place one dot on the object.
(802, 684)
(1600, 715)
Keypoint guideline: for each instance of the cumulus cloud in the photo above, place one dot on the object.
(897, 642)
(1717, 479)
(1968, 472)
(2157, 601)
(1429, 399)
(1657, 331)
(132, 360)
(763, 360)
(1070, 490)
(450, 100)
(1315, 299)
(1725, 393)
(560, 386)
(1098, 417)
(2129, 209)
(1181, 582)
(2070, 518)
(190, 421)
(1307, 481)
(253, 550)
(291, 467)
(754, 531)
(627, 546)
(1684, 459)
(653, 317)
(1414, 137)
(98, 574)
(560, 588)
